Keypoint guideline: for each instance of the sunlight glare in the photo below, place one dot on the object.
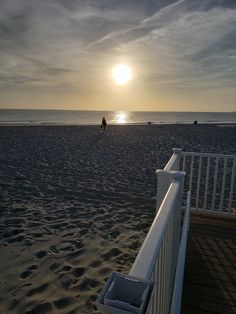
(121, 118)
(121, 74)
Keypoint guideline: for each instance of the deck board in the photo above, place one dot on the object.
(210, 269)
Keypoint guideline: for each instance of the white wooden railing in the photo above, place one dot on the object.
(209, 184)
(209, 177)
(211, 180)
(179, 275)
(164, 177)
(157, 259)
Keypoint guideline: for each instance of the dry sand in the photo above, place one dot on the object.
(76, 204)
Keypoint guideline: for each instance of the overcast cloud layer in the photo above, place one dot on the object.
(177, 49)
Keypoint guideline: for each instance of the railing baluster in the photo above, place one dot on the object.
(214, 186)
(152, 306)
(178, 284)
(172, 238)
(191, 173)
(159, 287)
(161, 280)
(223, 184)
(232, 184)
(164, 279)
(198, 180)
(207, 182)
(184, 161)
(169, 262)
(166, 276)
(156, 292)
(168, 266)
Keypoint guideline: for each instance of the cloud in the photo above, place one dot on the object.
(185, 45)
(188, 46)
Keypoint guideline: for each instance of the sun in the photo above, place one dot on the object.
(121, 73)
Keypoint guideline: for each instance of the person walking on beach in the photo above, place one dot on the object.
(104, 124)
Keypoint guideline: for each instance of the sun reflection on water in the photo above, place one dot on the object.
(121, 117)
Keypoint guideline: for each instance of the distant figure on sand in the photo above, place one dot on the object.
(104, 124)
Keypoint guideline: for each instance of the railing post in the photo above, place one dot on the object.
(177, 152)
(163, 182)
(177, 176)
(164, 177)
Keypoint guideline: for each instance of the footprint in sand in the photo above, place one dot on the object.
(37, 290)
(66, 268)
(88, 283)
(16, 239)
(54, 250)
(54, 266)
(36, 235)
(25, 274)
(63, 303)
(104, 271)
(63, 270)
(32, 267)
(28, 272)
(41, 309)
(41, 254)
(76, 254)
(67, 280)
(78, 271)
(95, 263)
(70, 234)
(112, 253)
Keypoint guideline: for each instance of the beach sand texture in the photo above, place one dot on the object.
(76, 203)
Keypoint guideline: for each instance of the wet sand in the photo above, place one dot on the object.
(76, 203)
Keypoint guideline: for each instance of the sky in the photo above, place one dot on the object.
(59, 54)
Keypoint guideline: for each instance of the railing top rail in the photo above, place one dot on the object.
(174, 158)
(208, 155)
(144, 262)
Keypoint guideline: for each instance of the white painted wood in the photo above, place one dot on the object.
(198, 180)
(223, 185)
(218, 190)
(178, 285)
(173, 163)
(191, 173)
(163, 182)
(146, 259)
(164, 178)
(214, 186)
(207, 182)
(207, 155)
(184, 162)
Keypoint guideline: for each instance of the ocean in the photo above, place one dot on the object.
(77, 117)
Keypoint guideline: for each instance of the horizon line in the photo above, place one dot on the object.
(43, 109)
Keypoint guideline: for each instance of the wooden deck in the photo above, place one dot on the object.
(210, 269)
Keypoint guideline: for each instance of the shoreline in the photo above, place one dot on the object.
(9, 124)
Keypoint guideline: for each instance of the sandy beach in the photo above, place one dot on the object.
(77, 202)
